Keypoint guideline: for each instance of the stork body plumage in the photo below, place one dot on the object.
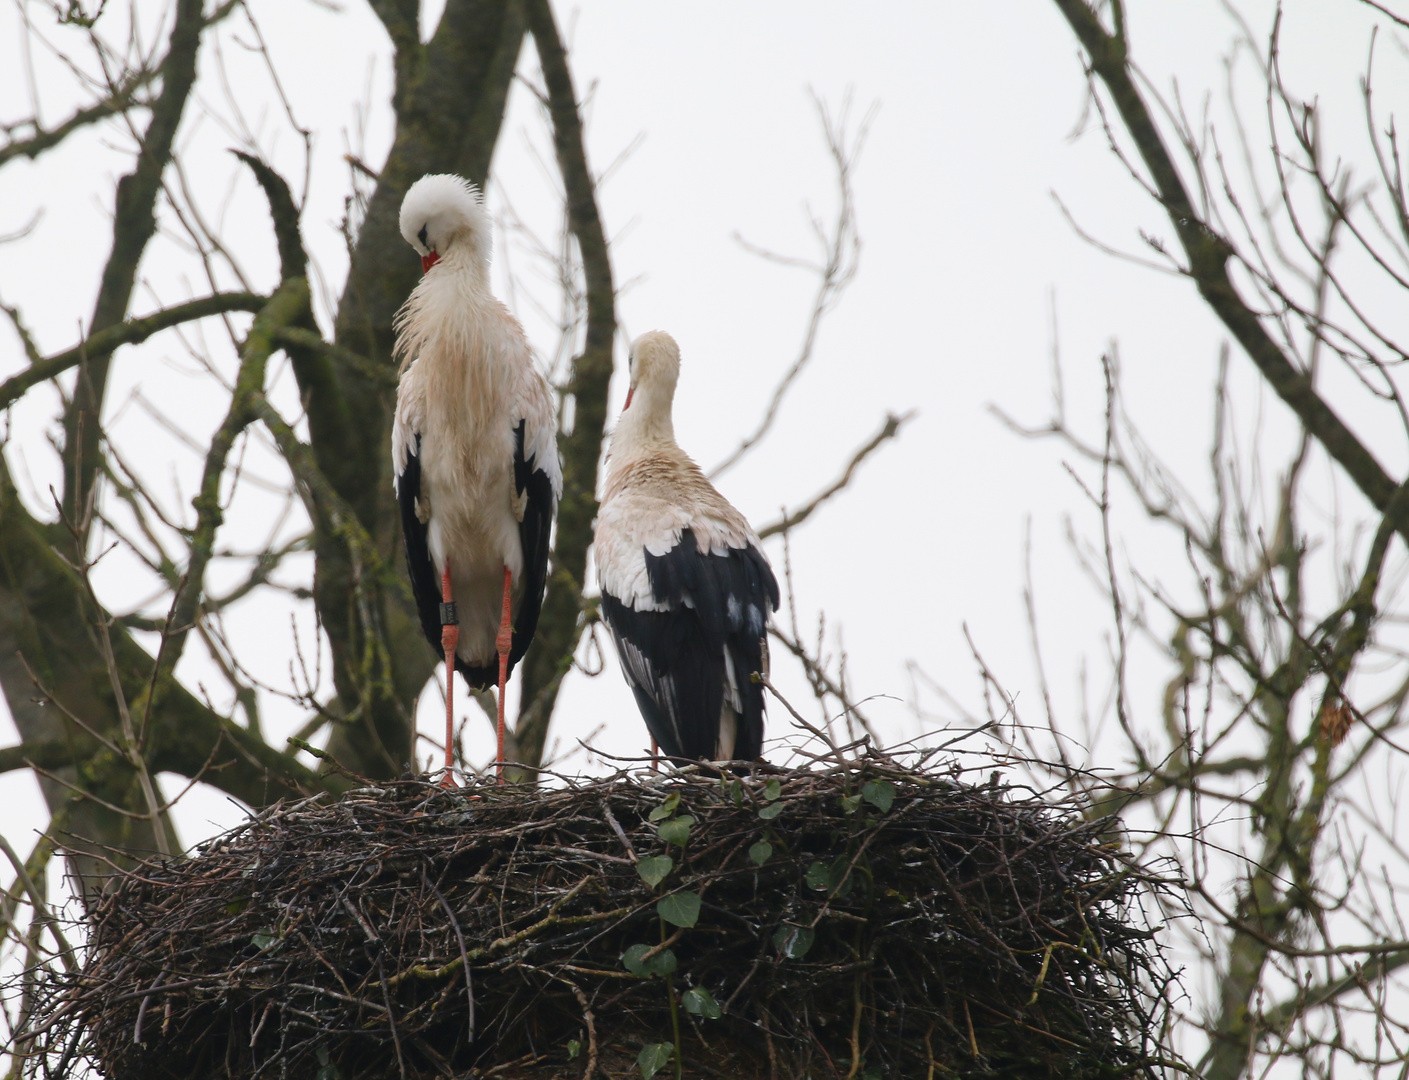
(686, 587)
(474, 449)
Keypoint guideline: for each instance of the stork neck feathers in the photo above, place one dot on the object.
(464, 260)
(645, 428)
(448, 308)
(647, 423)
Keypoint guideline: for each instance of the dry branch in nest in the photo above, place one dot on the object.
(861, 921)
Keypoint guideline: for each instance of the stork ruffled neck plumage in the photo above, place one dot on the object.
(443, 219)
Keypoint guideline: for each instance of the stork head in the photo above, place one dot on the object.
(443, 215)
(654, 363)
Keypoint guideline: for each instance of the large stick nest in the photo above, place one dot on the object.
(861, 921)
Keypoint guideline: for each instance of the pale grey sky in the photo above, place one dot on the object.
(981, 126)
(965, 255)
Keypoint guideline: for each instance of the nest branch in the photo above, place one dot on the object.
(861, 919)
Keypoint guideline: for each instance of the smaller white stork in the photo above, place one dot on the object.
(474, 450)
(686, 587)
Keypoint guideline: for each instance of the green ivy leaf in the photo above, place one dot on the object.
(631, 959)
(839, 877)
(675, 831)
(834, 879)
(736, 792)
(772, 790)
(665, 809)
(761, 852)
(662, 964)
(879, 793)
(263, 940)
(700, 1002)
(849, 803)
(237, 905)
(653, 1058)
(793, 941)
(769, 812)
(680, 909)
(574, 1048)
(654, 868)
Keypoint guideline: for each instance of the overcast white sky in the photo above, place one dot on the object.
(980, 125)
(965, 257)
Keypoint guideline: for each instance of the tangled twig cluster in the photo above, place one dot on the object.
(858, 921)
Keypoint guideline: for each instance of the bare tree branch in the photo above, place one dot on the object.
(311, 341)
(1280, 1016)
(121, 99)
(791, 519)
(559, 628)
(134, 224)
(841, 246)
(41, 907)
(131, 332)
(287, 306)
(1208, 254)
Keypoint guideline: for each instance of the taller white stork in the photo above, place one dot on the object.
(474, 450)
(686, 587)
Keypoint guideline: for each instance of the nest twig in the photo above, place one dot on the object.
(853, 922)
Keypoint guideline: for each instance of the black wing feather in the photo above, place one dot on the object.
(425, 587)
(678, 680)
(535, 532)
(675, 658)
(425, 582)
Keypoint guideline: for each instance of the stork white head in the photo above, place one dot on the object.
(442, 216)
(654, 361)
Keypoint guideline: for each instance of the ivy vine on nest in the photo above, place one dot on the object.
(866, 920)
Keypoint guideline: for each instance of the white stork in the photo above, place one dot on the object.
(686, 588)
(474, 450)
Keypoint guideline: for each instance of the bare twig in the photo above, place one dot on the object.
(791, 519)
(841, 247)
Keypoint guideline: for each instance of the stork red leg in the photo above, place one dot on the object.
(655, 755)
(449, 639)
(502, 641)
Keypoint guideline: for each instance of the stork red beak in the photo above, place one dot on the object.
(427, 261)
(629, 391)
